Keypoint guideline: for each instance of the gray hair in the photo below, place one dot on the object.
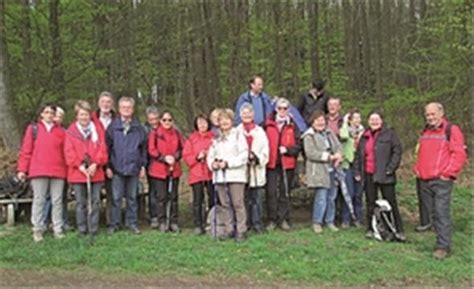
(246, 106)
(127, 99)
(438, 105)
(282, 101)
(152, 110)
(106, 94)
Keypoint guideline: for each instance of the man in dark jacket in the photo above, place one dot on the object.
(126, 142)
(315, 99)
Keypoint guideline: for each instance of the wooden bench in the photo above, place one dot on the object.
(10, 205)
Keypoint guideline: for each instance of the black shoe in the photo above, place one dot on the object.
(174, 228)
(135, 231)
(422, 228)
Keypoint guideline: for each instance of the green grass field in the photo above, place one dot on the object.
(299, 257)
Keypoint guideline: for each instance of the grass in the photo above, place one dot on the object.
(299, 257)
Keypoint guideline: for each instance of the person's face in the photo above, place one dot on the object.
(282, 110)
(126, 109)
(257, 85)
(356, 119)
(58, 117)
(83, 117)
(334, 106)
(166, 121)
(105, 104)
(225, 123)
(375, 121)
(202, 125)
(48, 114)
(319, 123)
(433, 115)
(247, 116)
(215, 119)
(153, 119)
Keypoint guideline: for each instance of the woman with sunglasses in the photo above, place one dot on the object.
(165, 144)
(285, 144)
(42, 161)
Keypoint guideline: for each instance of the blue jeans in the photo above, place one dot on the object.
(124, 186)
(354, 189)
(82, 207)
(324, 206)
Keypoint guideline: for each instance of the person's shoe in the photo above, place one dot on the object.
(271, 226)
(401, 237)
(37, 236)
(163, 228)
(422, 228)
(68, 228)
(357, 224)
(154, 223)
(59, 235)
(135, 231)
(174, 228)
(333, 228)
(240, 237)
(110, 230)
(345, 226)
(259, 230)
(369, 234)
(198, 231)
(285, 226)
(317, 228)
(440, 253)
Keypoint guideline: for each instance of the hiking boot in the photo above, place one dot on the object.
(174, 228)
(37, 236)
(259, 230)
(198, 231)
(345, 226)
(422, 228)
(317, 228)
(163, 228)
(135, 231)
(369, 234)
(285, 226)
(240, 237)
(271, 226)
(333, 228)
(59, 235)
(401, 237)
(357, 224)
(154, 223)
(440, 253)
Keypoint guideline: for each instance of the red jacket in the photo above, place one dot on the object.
(439, 157)
(76, 148)
(289, 137)
(98, 124)
(197, 142)
(162, 142)
(43, 156)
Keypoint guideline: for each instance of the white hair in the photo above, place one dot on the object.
(246, 106)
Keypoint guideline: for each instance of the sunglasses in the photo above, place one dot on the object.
(282, 108)
(166, 119)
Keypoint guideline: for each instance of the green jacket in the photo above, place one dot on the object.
(348, 147)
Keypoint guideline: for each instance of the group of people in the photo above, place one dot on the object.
(235, 159)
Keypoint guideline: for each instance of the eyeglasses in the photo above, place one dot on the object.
(49, 111)
(282, 108)
(166, 119)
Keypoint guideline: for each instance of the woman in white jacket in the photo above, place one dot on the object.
(257, 143)
(227, 158)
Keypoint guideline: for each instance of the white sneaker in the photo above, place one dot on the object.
(37, 236)
(333, 228)
(317, 228)
(59, 235)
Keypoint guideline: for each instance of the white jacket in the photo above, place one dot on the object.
(232, 149)
(260, 148)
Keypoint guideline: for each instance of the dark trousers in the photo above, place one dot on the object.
(167, 191)
(439, 193)
(199, 206)
(278, 203)
(254, 206)
(152, 199)
(82, 207)
(388, 193)
(124, 186)
(109, 198)
(425, 205)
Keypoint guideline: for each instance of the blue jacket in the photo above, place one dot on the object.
(127, 152)
(263, 108)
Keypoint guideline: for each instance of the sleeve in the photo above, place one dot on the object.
(211, 155)
(261, 148)
(72, 159)
(457, 153)
(109, 140)
(357, 164)
(296, 148)
(102, 156)
(336, 143)
(143, 147)
(312, 153)
(344, 132)
(189, 156)
(179, 153)
(395, 154)
(241, 157)
(153, 146)
(26, 151)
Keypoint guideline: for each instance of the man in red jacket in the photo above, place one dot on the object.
(441, 156)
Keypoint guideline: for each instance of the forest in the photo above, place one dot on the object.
(190, 56)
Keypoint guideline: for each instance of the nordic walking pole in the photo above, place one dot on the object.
(169, 193)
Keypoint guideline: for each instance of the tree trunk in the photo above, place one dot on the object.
(57, 72)
(313, 19)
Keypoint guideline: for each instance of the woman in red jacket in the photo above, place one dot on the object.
(200, 177)
(86, 154)
(165, 145)
(42, 160)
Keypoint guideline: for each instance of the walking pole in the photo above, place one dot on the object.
(169, 193)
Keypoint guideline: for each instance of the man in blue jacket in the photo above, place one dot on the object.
(126, 142)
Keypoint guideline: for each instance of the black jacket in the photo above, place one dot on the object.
(388, 154)
(308, 104)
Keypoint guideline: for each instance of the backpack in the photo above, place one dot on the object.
(383, 222)
(447, 132)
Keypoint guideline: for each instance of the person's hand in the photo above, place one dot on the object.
(443, 178)
(92, 169)
(215, 165)
(142, 172)
(21, 176)
(346, 118)
(82, 169)
(357, 178)
(283, 150)
(201, 155)
(109, 173)
(169, 159)
(222, 165)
